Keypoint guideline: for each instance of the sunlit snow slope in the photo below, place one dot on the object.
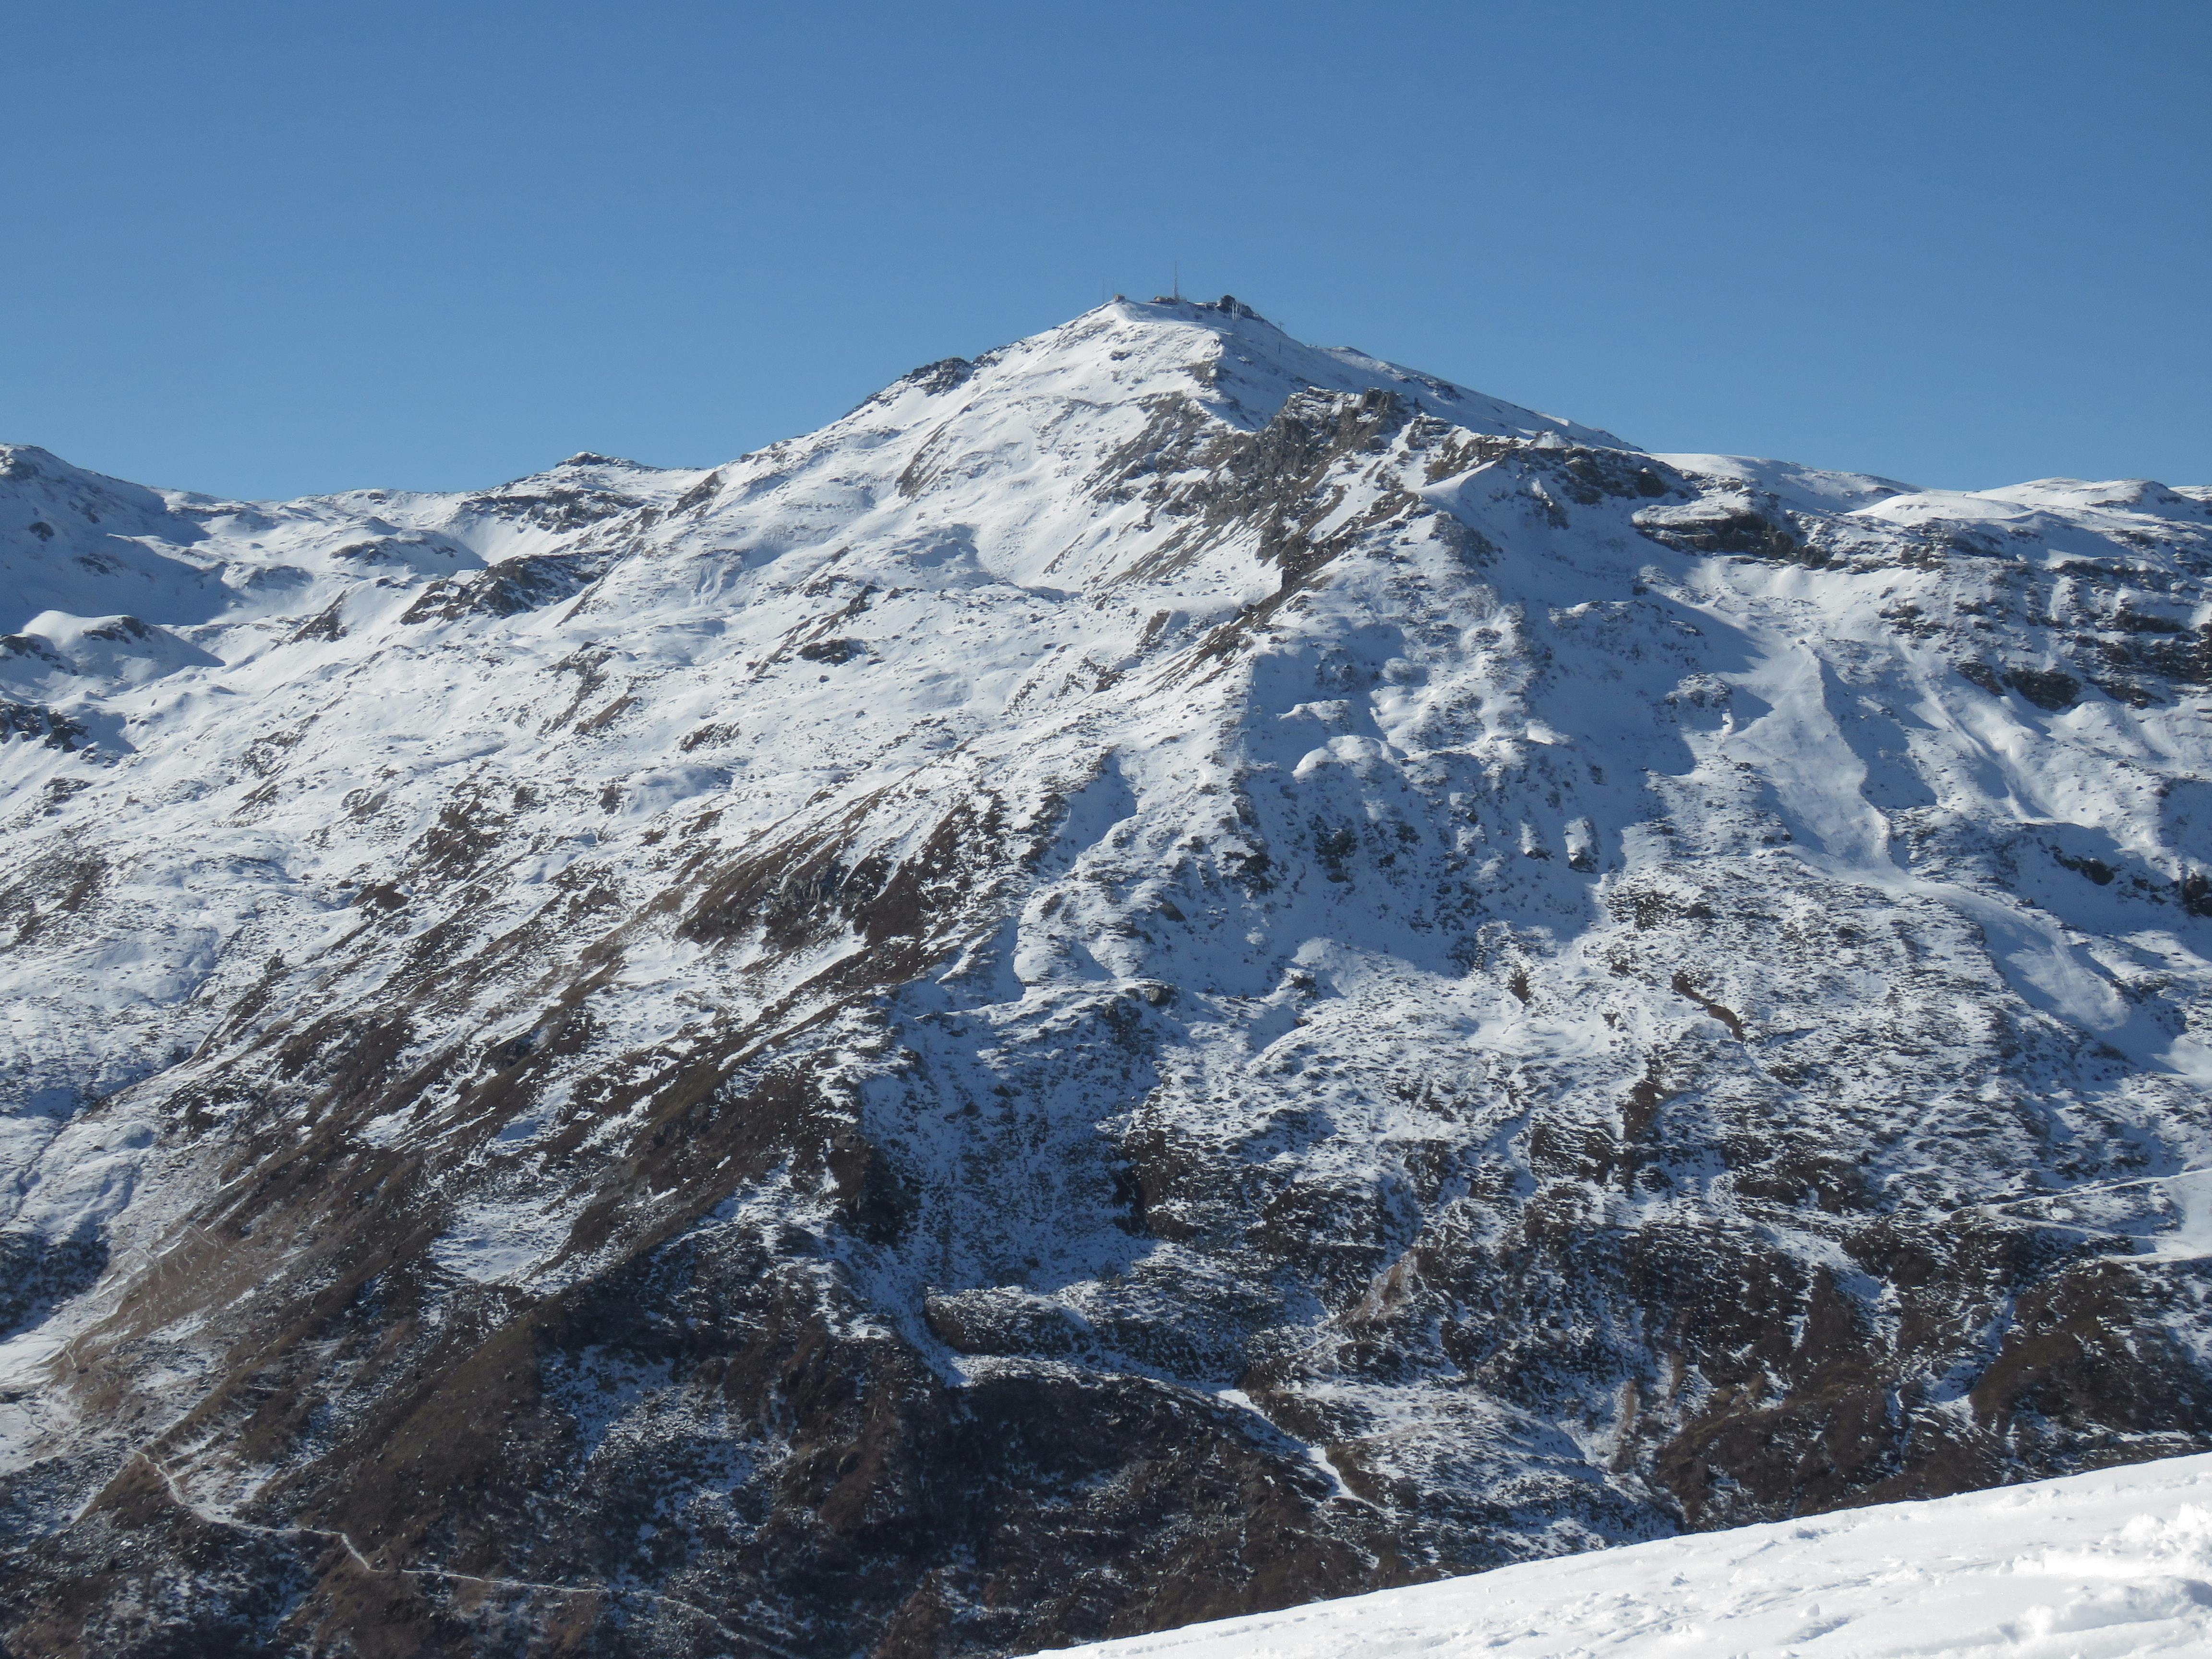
(1162, 973)
(2113, 1565)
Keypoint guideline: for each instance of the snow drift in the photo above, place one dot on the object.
(2112, 1566)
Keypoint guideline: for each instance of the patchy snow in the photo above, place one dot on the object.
(1297, 883)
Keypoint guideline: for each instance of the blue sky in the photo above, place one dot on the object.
(270, 249)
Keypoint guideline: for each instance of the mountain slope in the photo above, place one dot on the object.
(1160, 975)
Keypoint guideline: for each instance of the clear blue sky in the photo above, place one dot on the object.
(269, 249)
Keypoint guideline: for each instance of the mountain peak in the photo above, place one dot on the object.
(1163, 972)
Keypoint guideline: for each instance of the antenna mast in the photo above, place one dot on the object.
(1177, 289)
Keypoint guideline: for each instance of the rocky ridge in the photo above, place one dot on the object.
(1162, 973)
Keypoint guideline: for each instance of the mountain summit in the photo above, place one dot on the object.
(1162, 973)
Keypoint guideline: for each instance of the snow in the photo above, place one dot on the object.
(1373, 896)
(2116, 1565)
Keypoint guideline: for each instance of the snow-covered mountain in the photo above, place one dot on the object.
(2111, 1565)
(1162, 973)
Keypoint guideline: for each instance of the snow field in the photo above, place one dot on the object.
(2116, 1565)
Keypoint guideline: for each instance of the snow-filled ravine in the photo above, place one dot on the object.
(2116, 1564)
(1162, 973)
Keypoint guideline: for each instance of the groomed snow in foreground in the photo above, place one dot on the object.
(2107, 1565)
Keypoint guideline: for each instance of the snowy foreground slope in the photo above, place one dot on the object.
(2112, 1566)
(1161, 974)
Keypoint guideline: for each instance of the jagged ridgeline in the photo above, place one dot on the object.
(1162, 973)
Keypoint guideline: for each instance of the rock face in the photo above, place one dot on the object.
(1161, 974)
